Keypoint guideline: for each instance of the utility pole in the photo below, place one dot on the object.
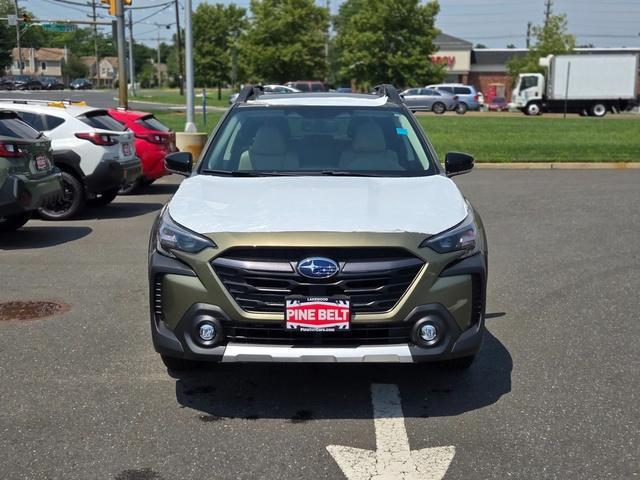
(95, 41)
(528, 35)
(20, 66)
(132, 71)
(122, 64)
(179, 50)
(190, 125)
(547, 10)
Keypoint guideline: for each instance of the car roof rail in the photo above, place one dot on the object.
(390, 92)
(44, 102)
(249, 92)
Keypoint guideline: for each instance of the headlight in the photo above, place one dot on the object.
(462, 237)
(173, 237)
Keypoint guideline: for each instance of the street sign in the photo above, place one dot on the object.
(59, 27)
(12, 19)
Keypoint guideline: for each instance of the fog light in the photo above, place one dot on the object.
(428, 332)
(207, 332)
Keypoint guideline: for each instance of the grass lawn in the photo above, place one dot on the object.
(176, 120)
(171, 96)
(519, 138)
(512, 138)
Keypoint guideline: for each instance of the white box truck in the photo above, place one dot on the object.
(586, 84)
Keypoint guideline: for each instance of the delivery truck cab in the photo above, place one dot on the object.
(585, 84)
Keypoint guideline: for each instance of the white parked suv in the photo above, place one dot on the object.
(95, 152)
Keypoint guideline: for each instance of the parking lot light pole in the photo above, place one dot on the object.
(122, 64)
(132, 72)
(190, 126)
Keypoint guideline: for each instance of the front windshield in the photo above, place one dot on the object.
(304, 140)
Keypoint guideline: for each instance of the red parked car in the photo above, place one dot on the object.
(154, 141)
(498, 104)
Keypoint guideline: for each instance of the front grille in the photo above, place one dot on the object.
(259, 279)
(257, 333)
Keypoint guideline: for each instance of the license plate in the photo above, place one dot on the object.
(126, 149)
(42, 162)
(317, 314)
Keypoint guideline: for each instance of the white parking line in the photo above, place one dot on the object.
(392, 459)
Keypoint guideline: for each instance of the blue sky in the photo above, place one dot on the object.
(495, 23)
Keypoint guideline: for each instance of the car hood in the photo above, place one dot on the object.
(209, 204)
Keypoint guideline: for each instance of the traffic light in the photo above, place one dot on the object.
(112, 5)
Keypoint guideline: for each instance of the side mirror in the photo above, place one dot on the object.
(179, 162)
(457, 163)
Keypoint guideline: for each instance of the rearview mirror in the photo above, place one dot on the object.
(180, 163)
(457, 163)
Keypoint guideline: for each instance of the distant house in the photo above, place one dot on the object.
(41, 62)
(108, 70)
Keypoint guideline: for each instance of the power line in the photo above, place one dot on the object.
(166, 5)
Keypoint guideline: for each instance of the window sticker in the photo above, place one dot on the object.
(401, 131)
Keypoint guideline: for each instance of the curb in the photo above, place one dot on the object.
(559, 166)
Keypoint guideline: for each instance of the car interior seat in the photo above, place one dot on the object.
(369, 150)
(269, 151)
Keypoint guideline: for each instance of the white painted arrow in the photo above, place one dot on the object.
(392, 460)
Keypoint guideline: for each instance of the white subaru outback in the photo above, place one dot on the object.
(318, 227)
(95, 152)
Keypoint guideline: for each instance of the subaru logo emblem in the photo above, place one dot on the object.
(317, 267)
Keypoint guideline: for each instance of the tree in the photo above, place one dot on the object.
(552, 39)
(388, 41)
(480, 45)
(285, 41)
(148, 76)
(216, 28)
(7, 35)
(74, 68)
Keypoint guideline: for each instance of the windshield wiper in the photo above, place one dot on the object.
(346, 173)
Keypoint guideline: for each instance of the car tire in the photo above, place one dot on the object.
(462, 108)
(131, 187)
(461, 363)
(104, 198)
(176, 364)
(72, 202)
(533, 109)
(598, 110)
(439, 108)
(13, 222)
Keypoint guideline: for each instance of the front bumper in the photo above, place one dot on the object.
(21, 194)
(110, 174)
(185, 291)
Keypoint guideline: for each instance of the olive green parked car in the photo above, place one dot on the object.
(28, 178)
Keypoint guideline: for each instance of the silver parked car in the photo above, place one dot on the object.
(268, 89)
(468, 96)
(429, 100)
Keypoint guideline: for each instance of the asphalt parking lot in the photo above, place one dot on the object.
(553, 394)
(95, 98)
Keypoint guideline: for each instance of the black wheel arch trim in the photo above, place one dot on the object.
(68, 160)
